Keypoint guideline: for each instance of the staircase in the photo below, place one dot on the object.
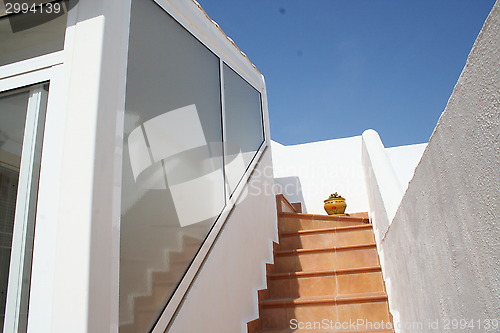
(326, 277)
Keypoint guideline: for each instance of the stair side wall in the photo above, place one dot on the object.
(223, 297)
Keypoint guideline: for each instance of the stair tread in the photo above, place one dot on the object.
(346, 298)
(326, 230)
(327, 249)
(297, 274)
(326, 217)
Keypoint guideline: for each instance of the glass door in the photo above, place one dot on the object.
(22, 115)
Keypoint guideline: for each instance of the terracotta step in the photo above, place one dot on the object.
(325, 268)
(329, 237)
(342, 218)
(326, 258)
(290, 222)
(359, 214)
(371, 307)
(326, 299)
(333, 282)
(340, 228)
(324, 249)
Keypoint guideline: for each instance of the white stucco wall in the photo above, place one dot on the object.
(441, 252)
(382, 185)
(309, 172)
(321, 168)
(223, 297)
(404, 160)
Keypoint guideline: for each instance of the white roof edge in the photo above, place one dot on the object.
(224, 34)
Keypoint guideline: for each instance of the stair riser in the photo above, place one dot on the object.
(374, 313)
(305, 287)
(292, 224)
(360, 283)
(282, 317)
(343, 284)
(307, 262)
(327, 239)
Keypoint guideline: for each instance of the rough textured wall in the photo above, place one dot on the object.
(442, 250)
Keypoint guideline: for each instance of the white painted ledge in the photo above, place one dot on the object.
(382, 184)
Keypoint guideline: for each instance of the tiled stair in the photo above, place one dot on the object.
(326, 277)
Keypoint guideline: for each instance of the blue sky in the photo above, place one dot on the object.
(334, 68)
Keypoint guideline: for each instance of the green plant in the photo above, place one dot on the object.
(335, 195)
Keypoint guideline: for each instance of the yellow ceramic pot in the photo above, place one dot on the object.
(335, 206)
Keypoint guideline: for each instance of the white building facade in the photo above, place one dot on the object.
(138, 185)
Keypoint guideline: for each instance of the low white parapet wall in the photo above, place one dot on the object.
(385, 193)
(382, 184)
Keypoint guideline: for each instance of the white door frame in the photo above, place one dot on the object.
(24, 219)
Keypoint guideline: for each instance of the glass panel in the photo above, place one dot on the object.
(173, 185)
(22, 114)
(24, 36)
(243, 125)
(12, 118)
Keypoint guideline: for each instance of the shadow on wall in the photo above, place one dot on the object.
(291, 188)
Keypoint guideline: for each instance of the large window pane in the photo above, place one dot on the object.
(173, 185)
(243, 125)
(24, 36)
(12, 118)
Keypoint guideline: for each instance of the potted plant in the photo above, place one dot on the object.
(335, 204)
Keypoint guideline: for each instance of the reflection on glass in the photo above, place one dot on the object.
(24, 36)
(172, 183)
(183, 163)
(243, 125)
(12, 118)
